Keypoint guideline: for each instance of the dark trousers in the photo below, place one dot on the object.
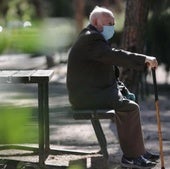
(129, 128)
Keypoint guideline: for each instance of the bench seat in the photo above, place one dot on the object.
(95, 116)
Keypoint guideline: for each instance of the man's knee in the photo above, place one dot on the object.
(127, 106)
(135, 106)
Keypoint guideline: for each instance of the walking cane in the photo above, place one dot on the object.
(158, 118)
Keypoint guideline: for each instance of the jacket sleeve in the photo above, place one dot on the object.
(101, 51)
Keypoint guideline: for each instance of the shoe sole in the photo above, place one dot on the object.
(134, 166)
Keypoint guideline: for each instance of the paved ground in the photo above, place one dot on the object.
(66, 133)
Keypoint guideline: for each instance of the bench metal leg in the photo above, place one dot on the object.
(100, 136)
(46, 118)
(43, 105)
(41, 124)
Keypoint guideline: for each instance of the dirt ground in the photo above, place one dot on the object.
(66, 133)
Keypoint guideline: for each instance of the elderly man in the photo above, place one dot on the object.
(92, 82)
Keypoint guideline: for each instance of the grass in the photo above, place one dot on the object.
(16, 125)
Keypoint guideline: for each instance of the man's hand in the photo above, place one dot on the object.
(151, 62)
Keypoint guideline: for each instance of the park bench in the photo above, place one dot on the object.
(94, 116)
(41, 78)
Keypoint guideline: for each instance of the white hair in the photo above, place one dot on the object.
(97, 12)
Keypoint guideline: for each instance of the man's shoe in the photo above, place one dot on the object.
(151, 156)
(139, 162)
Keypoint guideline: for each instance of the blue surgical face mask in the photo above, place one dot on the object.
(108, 31)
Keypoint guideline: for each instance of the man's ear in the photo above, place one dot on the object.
(98, 25)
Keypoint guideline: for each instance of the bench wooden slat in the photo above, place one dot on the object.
(23, 73)
(5, 76)
(40, 75)
(95, 114)
(4, 73)
(25, 76)
(22, 76)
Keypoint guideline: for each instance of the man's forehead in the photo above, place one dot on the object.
(108, 17)
(108, 14)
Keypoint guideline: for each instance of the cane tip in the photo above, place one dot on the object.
(162, 167)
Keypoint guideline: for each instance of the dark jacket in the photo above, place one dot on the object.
(91, 79)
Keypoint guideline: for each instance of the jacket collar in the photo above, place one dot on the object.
(92, 27)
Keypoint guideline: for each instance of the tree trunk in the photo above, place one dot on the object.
(133, 38)
(106, 3)
(38, 7)
(79, 6)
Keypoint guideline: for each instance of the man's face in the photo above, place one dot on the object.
(105, 20)
(108, 20)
